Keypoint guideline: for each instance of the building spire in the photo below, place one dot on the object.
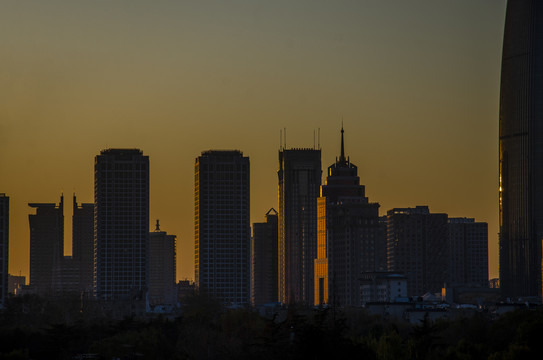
(342, 156)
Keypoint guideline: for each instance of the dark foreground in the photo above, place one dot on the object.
(32, 328)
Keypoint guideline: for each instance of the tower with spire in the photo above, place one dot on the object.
(350, 239)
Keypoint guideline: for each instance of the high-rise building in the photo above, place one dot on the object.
(4, 247)
(222, 226)
(468, 249)
(417, 246)
(162, 267)
(46, 244)
(521, 150)
(264, 260)
(83, 243)
(121, 223)
(349, 235)
(299, 184)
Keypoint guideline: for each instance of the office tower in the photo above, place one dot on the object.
(222, 227)
(299, 183)
(83, 243)
(162, 269)
(121, 223)
(349, 233)
(264, 260)
(521, 150)
(4, 247)
(46, 244)
(468, 249)
(417, 246)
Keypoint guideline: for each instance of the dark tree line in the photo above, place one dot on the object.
(33, 328)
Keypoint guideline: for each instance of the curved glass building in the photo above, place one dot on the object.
(521, 150)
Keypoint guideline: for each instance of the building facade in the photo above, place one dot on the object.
(468, 249)
(521, 150)
(83, 244)
(382, 287)
(4, 247)
(417, 246)
(121, 224)
(349, 234)
(264, 260)
(46, 244)
(162, 267)
(222, 226)
(299, 183)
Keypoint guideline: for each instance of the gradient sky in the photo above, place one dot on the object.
(415, 82)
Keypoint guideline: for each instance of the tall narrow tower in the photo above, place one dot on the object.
(222, 230)
(121, 218)
(521, 150)
(299, 183)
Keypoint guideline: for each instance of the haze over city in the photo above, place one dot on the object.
(416, 85)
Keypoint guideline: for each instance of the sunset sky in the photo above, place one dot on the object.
(415, 82)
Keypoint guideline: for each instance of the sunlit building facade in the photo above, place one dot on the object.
(299, 183)
(222, 226)
(4, 247)
(121, 218)
(46, 244)
(521, 150)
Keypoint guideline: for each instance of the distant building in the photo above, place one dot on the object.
(162, 267)
(468, 249)
(382, 287)
(349, 235)
(185, 288)
(46, 244)
(417, 246)
(264, 260)
(83, 243)
(66, 277)
(4, 247)
(299, 183)
(15, 284)
(222, 226)
(121, 224)
(494, 283)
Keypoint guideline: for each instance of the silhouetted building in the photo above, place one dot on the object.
(121, 223)
(521, 150)
(264, 260)
(83, 243)
(468, 249)
(417, 246)
(162, 267)
(66, 277)
(15, 284)
(46, 244)
(4, 247)
(348, 235)
(222, 226)
(185, 288)
(382, 287)
(299, 183)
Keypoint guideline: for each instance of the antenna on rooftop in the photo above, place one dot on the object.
(285, 130)
(319, 138)
(280, 139)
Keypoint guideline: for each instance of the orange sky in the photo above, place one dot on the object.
(415, 82)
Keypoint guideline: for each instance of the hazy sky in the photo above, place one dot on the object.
(415, 82)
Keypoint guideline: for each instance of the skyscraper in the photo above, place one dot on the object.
(521, 150)
(299, 184)
(4, 247)
(468, 249)
(222, 226)
(264, 260)
(83, 243)
(349, 235)
(121, 218)
(46, 244)
(417, 246)
(162, 267)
